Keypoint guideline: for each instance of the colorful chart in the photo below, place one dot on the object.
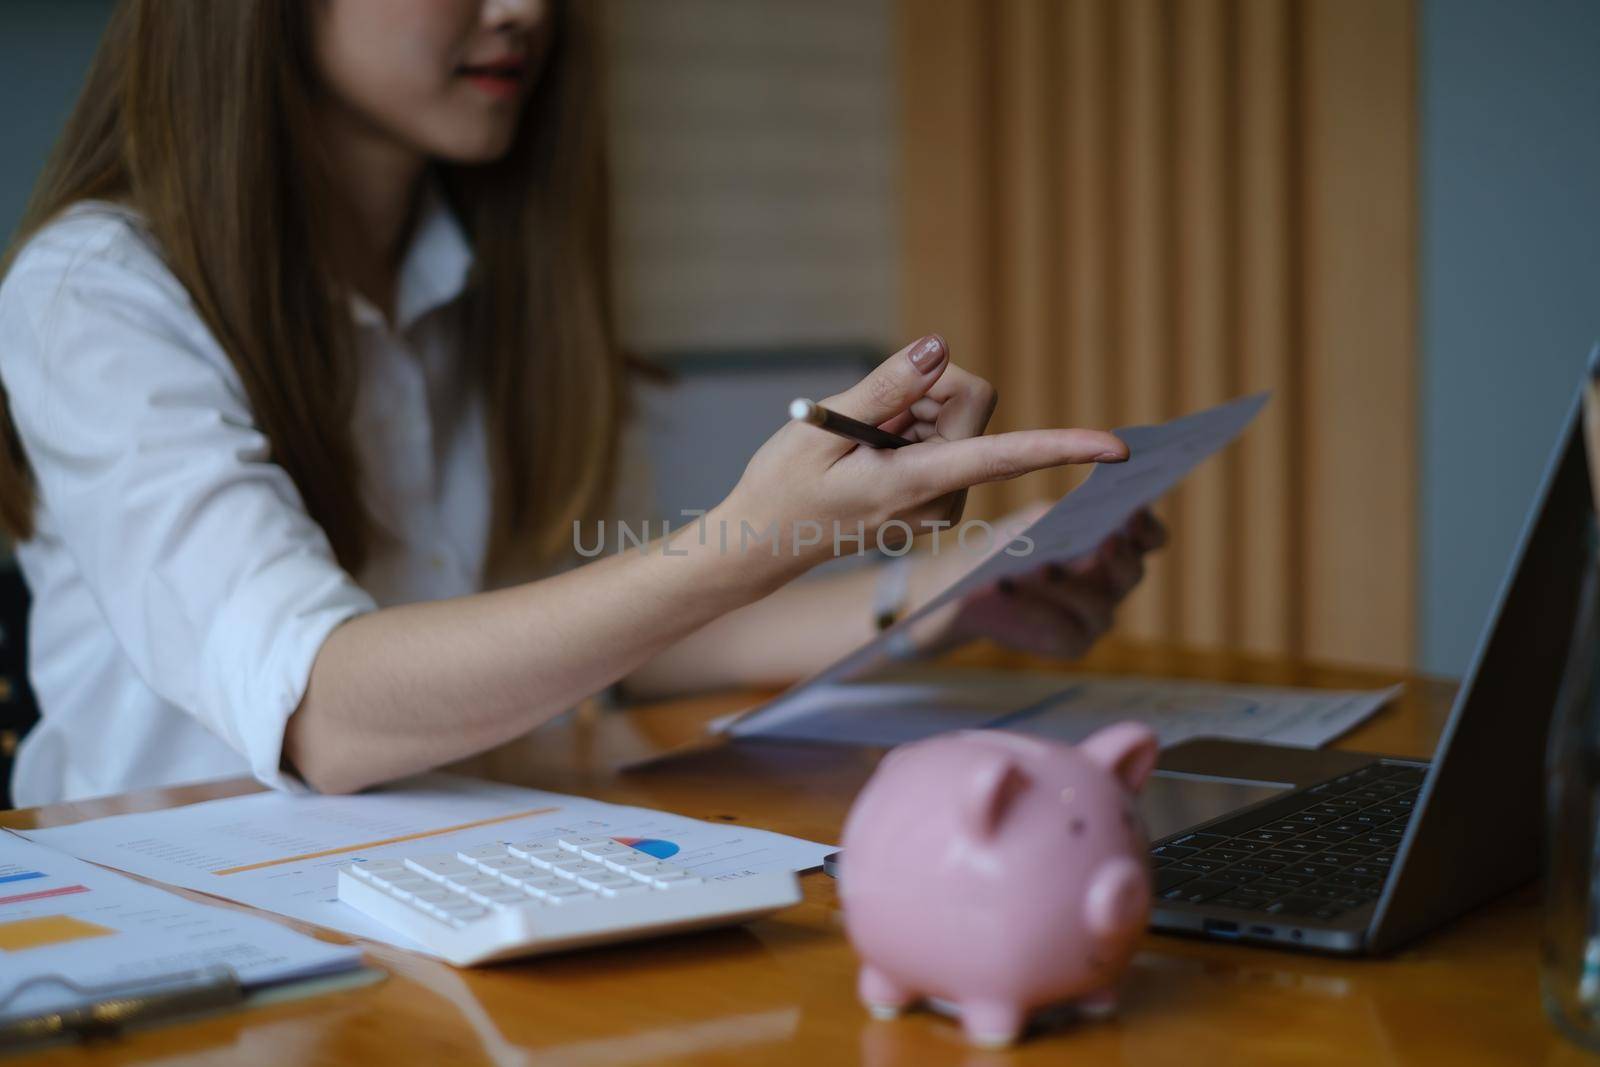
(45, 894)
(653, 845)
(20, 876)
(48, 930)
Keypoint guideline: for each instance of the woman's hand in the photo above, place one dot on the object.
(1058, 610)
(807, 495)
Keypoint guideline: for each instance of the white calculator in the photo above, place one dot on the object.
(496, 901)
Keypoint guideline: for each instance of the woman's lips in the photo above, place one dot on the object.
(501, 81)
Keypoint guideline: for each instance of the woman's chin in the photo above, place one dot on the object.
(469, 147)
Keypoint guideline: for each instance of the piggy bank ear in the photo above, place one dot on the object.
(991, 788)
(1127, 749)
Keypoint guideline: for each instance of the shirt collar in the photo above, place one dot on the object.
(434, 269)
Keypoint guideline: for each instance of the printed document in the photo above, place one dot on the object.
(280, 852)
(61, 918)
(1066, 707)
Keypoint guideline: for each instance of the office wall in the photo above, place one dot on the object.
(45, 46)
(1510, 188)
(753, 160)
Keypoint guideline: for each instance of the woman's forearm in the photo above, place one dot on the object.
(407, 688)
(791, 633)
(798, 629)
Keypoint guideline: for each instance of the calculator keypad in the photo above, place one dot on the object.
(473, 883)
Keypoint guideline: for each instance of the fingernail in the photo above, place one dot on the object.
(927, 353)
(1110, 457)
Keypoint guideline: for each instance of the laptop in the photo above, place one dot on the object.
(1354, 854)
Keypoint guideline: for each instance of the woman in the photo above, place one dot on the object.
(304, 344)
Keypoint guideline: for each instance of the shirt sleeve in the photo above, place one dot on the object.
(214, 580)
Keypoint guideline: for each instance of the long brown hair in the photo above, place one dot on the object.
(199, 115)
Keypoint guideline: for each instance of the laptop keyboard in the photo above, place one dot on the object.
(1316, 853)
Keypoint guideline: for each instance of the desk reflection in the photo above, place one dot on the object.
(613, 1030)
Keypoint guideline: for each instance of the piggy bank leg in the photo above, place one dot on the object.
(1101, 1004)
(884, 997)
(992, 1025)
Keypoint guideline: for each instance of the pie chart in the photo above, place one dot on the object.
(653, 845)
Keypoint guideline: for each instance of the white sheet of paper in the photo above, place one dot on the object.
(280, 853)
(1159, 457)
(1067, 708)
(1178, 711)
(100, 929)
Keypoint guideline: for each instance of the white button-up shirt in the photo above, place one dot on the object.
(180, 589)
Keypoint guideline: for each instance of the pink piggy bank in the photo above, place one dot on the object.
(994, 874)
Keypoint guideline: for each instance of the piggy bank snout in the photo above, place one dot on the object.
(1117, 904)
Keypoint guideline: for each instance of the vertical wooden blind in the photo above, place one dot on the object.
(1123, 210)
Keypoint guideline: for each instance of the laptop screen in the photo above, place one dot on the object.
(1479, 816)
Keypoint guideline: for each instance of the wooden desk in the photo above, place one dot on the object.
(782, 990)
